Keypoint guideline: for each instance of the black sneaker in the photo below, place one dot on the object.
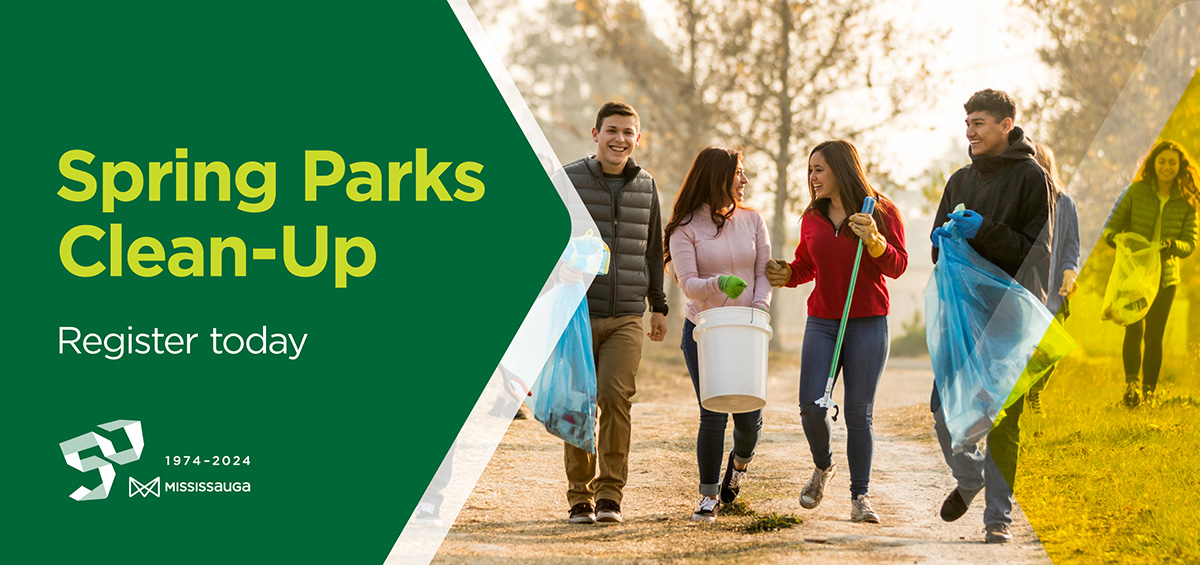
(732, 483)
(1149, 398)
(582, 513)
(954, 506)
(608, 511)
(1133, 396)
(997, 533)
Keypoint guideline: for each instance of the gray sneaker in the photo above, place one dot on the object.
(814, 491)
(997, 533)
(860, 510)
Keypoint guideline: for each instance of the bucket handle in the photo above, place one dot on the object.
(752, 309)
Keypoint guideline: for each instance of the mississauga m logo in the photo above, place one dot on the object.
(151, 487)
(72, 447)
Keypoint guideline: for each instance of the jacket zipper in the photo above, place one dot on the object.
(835, 228)
(616, 211)
(612, 299)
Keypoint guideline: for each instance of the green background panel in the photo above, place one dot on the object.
(343, 440)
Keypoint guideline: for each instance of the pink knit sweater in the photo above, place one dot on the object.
(700, 257)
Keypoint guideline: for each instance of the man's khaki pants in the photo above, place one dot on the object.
(617, 345)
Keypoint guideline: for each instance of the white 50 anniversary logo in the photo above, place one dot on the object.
(72, 447)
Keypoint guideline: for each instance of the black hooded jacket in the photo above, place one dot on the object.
(1012, 193)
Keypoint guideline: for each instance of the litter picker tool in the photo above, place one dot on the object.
(827, 400)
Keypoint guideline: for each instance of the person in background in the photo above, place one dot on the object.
(1161, 206)
(830, 232)
(1064, 258)
(720, 251)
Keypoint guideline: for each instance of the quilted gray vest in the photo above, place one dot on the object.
(624, 222)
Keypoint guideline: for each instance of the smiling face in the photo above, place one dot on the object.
(1166, 167)
(615, 141)
(738, 187)
(821, 182)
(986, 135)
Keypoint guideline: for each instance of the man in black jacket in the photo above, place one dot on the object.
(1007, 221)
(622, 198)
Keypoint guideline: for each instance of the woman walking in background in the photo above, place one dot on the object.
(830, 230)
(1064, 257)
(720, 251)
(1160, 206)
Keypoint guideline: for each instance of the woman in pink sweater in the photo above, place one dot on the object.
(720, 251)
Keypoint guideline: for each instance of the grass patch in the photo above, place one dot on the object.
(1102, 483)
(737, 508)
(772, 523)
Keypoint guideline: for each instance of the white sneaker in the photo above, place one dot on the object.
(814, 491)
(706, 510)
(427, 514)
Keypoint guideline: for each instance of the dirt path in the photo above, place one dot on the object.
(517, 512)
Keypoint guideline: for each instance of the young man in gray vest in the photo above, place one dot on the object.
(622, 198)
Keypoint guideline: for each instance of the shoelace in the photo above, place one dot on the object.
(736, 478)
(815, 483)
(708, 504)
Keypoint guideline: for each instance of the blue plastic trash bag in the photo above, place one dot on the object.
(982, 329)
(1134, 281)
(564, 396)
(587, 253)
(550, 313)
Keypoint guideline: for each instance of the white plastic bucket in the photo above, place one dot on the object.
(732, 345)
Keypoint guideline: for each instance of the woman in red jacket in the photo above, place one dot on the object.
(830, 231)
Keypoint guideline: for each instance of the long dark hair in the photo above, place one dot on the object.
(1187, 171)
(853, 186)
(709, 181)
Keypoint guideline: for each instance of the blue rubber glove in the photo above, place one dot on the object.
(938, 234)
(967, 222)
(731, 286)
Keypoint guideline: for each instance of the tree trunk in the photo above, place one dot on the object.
(782, 159)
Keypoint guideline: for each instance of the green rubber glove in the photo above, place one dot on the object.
(731, 286)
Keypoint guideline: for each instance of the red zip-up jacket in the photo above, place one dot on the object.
(827, 255)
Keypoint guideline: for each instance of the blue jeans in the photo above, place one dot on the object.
(710, 439)
(864, 352)
(975, 469)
